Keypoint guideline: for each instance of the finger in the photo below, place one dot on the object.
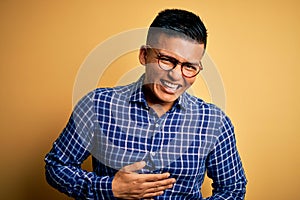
(153, 188)
(151, 195)
(134, 167)
(154, 177)
(158, 188)
(160, 185)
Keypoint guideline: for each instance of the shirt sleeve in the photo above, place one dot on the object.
(63, 162)
(224, 166)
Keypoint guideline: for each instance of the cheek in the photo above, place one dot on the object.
(153, 72)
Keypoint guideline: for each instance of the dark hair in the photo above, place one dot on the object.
(180, 23)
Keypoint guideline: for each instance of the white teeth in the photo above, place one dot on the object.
(170, 85)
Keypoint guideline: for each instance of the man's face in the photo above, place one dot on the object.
(164, 87)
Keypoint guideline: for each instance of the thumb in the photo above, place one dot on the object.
(134, 167)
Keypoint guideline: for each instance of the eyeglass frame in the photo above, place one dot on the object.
(175, 62)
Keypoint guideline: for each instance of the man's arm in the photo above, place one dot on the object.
(224, 166)
(63, 162)
(63, 165)
(63, 171)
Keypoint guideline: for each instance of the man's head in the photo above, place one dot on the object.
(176, 42)
(178, 23)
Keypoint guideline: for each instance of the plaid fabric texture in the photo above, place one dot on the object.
(116, 127)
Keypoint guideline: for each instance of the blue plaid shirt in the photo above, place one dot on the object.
(117, 127)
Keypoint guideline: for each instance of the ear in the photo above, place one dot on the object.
(143, 55)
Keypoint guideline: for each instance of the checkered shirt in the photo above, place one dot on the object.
(118, 128)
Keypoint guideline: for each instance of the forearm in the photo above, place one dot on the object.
(72, 147)
(79, 183)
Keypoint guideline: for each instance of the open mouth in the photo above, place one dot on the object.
(170, 87)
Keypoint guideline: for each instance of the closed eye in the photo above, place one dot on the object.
(167, 60)
(190, 67)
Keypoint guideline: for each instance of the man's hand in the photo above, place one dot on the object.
(127, 184)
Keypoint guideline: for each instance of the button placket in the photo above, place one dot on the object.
(154, 161)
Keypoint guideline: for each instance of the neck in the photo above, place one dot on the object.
(159, 109)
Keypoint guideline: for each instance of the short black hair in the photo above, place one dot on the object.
(181, 23)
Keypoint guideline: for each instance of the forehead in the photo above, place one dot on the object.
(178, 47)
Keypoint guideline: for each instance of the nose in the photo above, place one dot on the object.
(176, 74)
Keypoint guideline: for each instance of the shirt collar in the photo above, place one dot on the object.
(187, 101)
(137, 94)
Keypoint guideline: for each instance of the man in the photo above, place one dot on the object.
(151, 139)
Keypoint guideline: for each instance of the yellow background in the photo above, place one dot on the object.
(255, 45)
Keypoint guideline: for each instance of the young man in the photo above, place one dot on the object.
(150, 139)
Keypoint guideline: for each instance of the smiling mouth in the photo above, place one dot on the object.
(170, 87)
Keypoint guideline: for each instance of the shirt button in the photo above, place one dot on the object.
(156, 125)
(153, 154)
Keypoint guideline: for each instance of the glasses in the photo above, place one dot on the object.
(168, 63)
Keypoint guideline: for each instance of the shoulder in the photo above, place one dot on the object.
(197, 104)
(215, 119)
(109, 92)
(207, 112)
